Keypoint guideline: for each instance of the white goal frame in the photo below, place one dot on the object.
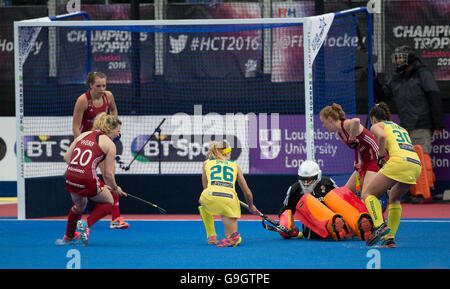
(315, 29)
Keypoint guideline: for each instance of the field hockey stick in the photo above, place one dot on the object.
(277, 227)
(358, 181)
(127, 167)
(148, 203)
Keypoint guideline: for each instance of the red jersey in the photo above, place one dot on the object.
(81, 175)
(368, 145)
(92, 111)
(368, 149)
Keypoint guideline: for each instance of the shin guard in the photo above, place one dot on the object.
(342, 201)
(319, 218)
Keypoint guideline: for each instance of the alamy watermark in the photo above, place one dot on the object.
(75, 259)
(375, 259)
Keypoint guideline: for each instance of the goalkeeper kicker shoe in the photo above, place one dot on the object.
(365, 226)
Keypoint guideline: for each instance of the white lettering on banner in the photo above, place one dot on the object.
(223, 43)
(106, 41)
(6, 45)
(295, 163)
(440, 151)
(301, 135)
(300, 149)
(296, 40)
(425, 36)
(38, 148)
(421, 31)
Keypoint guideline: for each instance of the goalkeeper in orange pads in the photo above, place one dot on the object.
(324, 209)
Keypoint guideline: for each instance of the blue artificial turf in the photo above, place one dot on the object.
(30, 244)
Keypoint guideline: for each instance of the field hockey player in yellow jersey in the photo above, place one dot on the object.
(397, 174)
(219, 196)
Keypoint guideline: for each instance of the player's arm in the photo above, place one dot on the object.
(378, 131)
(112, 104)
(354, 128)
(247, 192)
(78, 111)
(109, 149)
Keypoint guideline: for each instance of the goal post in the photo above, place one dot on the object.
(208, 79)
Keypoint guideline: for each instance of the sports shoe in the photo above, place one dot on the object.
(67, 240)
(212, 240)
(119, 223)
(365, 226)
(388, 243)
(234, 240)
(84, 231)
(378, 234)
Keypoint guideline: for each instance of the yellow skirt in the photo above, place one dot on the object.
(221, 202)
(402, 170)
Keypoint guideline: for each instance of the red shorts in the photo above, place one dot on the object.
(369, 166)
(84, 188)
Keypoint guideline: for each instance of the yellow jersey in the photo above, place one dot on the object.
(398, 142)
(221, 173)
(220, 197)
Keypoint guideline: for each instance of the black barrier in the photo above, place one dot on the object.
(178, 194)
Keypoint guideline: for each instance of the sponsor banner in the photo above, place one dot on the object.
(424, 25)
(337, 39)
(282, 148)
(262, 144)
(112, 50)
(214, 54)
(182, 145)
(440, 152)
(8, 159)
(288, 41)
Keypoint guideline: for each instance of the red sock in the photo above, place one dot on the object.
(72, 220)
(100, 210)
(115, 207)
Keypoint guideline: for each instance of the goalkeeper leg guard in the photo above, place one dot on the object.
(208, 222)
(320, 219)
(287, 220)
(343, 202)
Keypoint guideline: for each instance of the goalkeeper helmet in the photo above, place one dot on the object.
(309, 175)
(403, 56)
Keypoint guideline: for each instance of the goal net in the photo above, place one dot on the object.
(258, 83)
